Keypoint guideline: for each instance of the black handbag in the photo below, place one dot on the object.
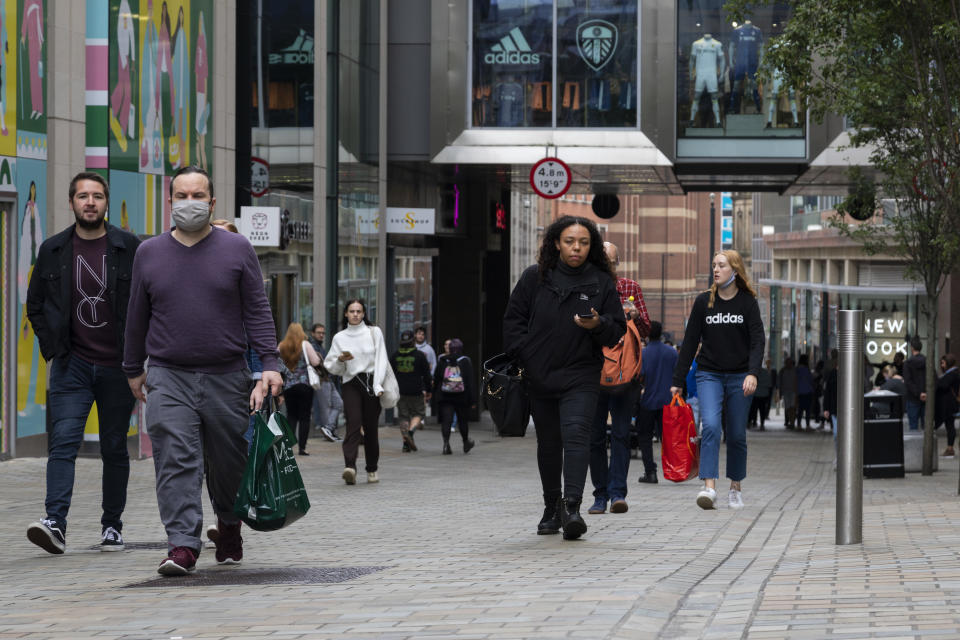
(505, 395)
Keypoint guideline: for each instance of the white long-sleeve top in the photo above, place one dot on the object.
(365, 343)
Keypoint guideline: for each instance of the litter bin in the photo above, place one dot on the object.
(883, 435)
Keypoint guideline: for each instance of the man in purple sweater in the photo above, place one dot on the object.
(196, 299)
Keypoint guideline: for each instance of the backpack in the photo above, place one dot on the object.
(452, 381)
(622, 363)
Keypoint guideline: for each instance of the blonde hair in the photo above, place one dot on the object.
(226, 224)
(291, 346)
(739, 273)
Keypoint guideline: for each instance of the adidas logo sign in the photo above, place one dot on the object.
(724, 318)
(513, 49)
(299, 52)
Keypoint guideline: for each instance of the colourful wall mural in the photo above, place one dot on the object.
(147, 114)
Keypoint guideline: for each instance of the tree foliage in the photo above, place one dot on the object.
(892, 69)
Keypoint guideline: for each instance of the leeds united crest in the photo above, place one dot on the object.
(597, 42)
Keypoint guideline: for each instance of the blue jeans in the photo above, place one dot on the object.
(915, 414)
(723, 393)
(610, 480)
(74, 386)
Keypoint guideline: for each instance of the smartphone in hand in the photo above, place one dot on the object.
(586, 316)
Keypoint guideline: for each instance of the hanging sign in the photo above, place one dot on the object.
(550, 178)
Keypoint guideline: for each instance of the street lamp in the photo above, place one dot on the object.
(713, 229)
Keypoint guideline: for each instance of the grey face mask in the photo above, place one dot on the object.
(190, 215)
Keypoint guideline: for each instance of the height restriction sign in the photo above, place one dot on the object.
(550, 178)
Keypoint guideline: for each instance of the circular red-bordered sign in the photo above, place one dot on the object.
(259, 176)
(550, 178)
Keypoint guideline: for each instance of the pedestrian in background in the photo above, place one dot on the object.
(804, 390)
(945, 404)
(560, 315)
(359, 355)
(413, 377)
(420, 336)
(77, 304)
(659, 362)
(609, 477)
(760, 405)
(296, 353)
(327, 403)
(788, 391)
(725, 322)
(914, 376)
(456, 394)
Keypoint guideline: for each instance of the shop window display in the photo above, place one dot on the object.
(724, 88)
(515, 81)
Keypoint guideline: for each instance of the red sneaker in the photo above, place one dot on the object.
(179, 562)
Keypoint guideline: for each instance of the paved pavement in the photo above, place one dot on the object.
(444, 547)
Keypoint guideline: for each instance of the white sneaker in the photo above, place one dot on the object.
(736, 500)
(707, 498)
(372, 477)
(327, 434)
(349, 475)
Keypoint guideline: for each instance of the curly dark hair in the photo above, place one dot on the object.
(549, 254)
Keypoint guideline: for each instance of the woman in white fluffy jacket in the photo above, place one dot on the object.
(359, 355)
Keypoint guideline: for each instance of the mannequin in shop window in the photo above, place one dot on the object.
(706, 65)
(772, 92)
(509, 103)
(746, 49)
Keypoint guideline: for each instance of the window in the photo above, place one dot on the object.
(728, 103)
(537, 63)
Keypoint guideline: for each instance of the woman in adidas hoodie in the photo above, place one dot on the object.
(561, 314)
(359, 354)
(725, 322)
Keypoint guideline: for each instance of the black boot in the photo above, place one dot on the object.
(468, 444)
(446, 448)
(573, 525)
(550, 522)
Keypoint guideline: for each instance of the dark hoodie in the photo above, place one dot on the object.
(915, 376)
(538, 328)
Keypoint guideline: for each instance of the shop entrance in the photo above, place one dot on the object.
(282, 292)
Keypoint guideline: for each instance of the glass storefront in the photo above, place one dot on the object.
(729, 104)
(357, 154)
(540, 63)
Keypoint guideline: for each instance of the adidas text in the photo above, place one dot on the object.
(513, 57)
(724, 318)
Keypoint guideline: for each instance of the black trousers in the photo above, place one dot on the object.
(447, 411)
(299, 401)
(648, 422)
(362, 414)
(563, 441)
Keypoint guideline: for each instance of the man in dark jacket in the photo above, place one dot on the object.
(413, 377)
(914, 376)
(77, 304)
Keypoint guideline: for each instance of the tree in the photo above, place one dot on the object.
(892, 68)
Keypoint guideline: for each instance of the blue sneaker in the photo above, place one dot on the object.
(599, 506)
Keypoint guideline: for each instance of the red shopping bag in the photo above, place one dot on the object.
(680, 446)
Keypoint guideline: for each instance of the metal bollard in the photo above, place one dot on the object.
(850, 428)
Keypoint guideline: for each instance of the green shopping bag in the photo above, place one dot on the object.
(271, 494)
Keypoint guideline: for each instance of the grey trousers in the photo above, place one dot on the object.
(196, 421)
(327, 405)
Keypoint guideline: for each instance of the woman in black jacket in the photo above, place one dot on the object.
(561, 314)
(454, 390)
(945, 405)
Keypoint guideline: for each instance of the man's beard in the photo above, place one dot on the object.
(86, 224)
